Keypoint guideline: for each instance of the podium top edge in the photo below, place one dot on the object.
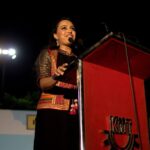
(120, 36)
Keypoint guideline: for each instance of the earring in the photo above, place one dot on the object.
(57, 43)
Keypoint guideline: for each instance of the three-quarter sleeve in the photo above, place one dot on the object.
(43, 65)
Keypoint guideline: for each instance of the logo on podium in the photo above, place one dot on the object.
(120, 136)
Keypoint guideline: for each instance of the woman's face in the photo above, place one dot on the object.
(65, 30)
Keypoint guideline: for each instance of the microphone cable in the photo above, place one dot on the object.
(132, 89)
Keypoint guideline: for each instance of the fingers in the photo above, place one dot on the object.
(61, 69)
(64, 65)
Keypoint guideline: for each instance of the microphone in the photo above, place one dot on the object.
(105, 26)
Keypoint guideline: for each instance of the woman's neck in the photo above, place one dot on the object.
(66, 50)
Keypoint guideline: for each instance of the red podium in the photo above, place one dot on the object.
(113, 113)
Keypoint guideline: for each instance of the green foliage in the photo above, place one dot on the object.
(28, 102)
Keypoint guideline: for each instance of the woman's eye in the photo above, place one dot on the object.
(73, 28)
(64, 28)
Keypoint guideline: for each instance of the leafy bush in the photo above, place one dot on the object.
(28, 102)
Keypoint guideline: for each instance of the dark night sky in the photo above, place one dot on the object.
(28, 32)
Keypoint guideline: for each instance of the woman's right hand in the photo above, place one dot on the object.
(47, 83)
(61, 70)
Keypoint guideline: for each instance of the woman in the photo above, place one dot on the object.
(57, 126)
